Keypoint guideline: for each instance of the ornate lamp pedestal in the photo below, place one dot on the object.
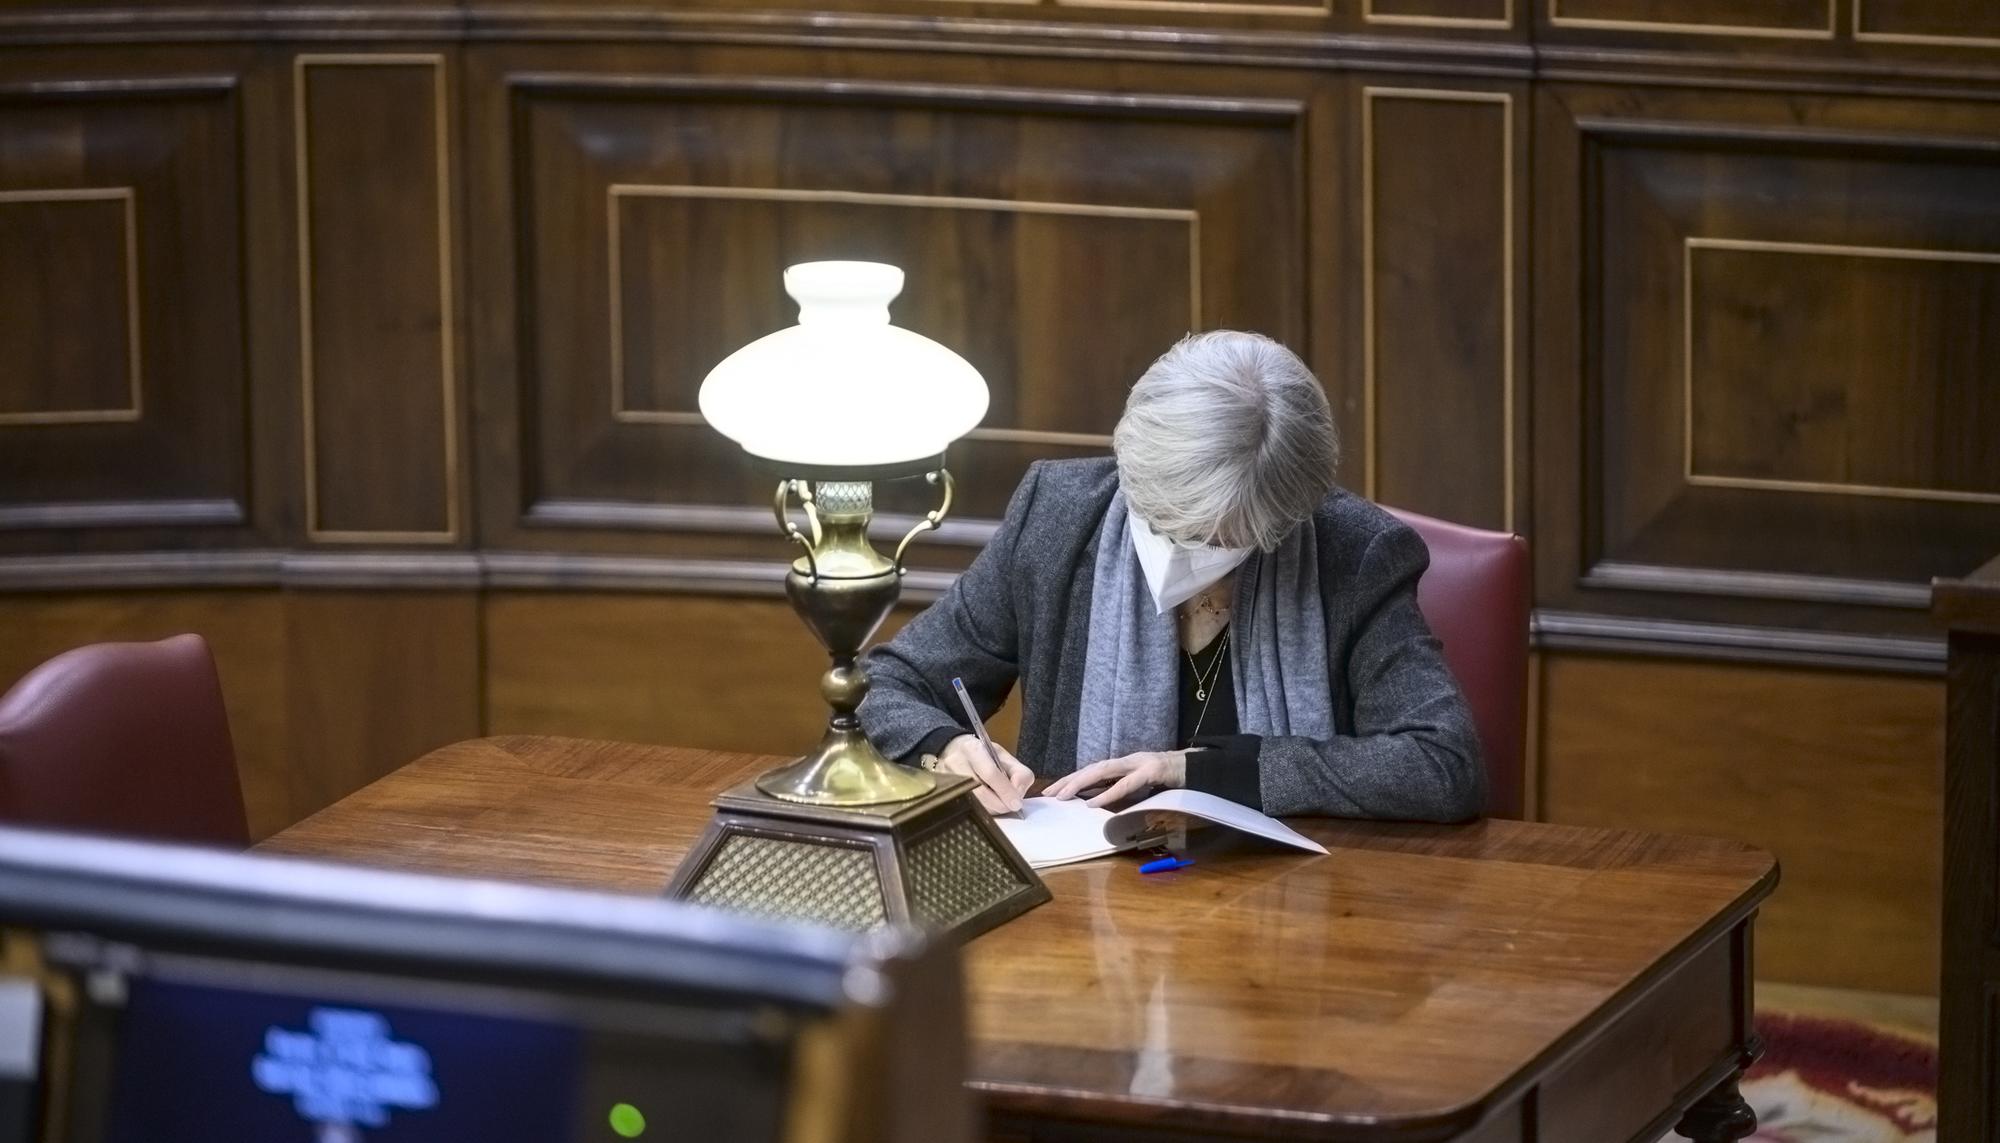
(843, 836)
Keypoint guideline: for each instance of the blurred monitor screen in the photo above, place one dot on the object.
(158, 994)
(206, 1051)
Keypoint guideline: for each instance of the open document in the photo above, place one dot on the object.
(1050, 832)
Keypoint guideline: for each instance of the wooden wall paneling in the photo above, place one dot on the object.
(1837, 773)
(1734, 418)
(675, 669)
(122, 380)
(1772, 19)
(1943, 23)
(1439, 269)
(1455, 15)
(377, 312)
(372, 680)
(245, 631)
(1060, 239)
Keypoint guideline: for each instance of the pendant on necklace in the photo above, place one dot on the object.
(1200, 695)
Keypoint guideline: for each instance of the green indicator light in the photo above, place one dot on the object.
(626, 1121)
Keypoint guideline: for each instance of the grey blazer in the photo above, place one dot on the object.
(1405, 748)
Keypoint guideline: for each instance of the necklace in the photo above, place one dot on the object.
(1201, 692)
(1202, 685)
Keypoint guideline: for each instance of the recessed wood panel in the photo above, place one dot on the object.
(1060, 242)
(671, 247)
(1793, 19)
(376, 314)
(69, 330)
(1783, 366)
(1439, 13)
(1786, 344)
(1438, 245)
(715, 672)
(1969, 23)
(374, 679)
(122, 379)
(1838, 774)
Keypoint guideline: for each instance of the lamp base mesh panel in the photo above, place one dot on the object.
(935, 862)
(956, 873)
(836, 886)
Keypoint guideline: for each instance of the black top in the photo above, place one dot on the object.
(1221, 761)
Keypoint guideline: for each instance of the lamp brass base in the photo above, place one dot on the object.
(934, 862)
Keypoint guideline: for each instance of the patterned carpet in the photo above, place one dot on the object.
(1832, 1080)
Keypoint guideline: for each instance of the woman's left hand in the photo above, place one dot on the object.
(1127, 775)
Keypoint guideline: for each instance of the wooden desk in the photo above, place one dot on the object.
(1496, 982)
(1969, 1017)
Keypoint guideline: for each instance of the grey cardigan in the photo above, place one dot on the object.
(1405, 748)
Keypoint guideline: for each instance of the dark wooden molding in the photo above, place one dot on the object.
(1620, 576)
(720, 519)
(140, 570)
(1574, 631)
(401, 571)
(566, 571)
(124, 514)
(779, 89)
(124, 88)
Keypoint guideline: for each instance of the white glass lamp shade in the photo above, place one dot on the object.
(844, 387)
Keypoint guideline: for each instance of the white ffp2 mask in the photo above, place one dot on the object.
(1176, 574)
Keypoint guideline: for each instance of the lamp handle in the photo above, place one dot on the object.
(931, 519)
(781, 506)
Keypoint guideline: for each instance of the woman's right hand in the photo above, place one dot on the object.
(1002, 784)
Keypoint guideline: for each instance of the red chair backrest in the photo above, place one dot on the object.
(1475, 597)
(123, 738)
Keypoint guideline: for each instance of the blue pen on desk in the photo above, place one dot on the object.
(1165, 865)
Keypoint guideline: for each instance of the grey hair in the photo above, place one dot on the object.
(1226, 439)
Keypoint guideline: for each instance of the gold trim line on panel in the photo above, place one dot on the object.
(1508, 414)
(1370, 16)
(1862, 36)
(1703, 480)
(447, 311)
(1831, 30)
(135, 406)
(1210, 7)
(616, 270)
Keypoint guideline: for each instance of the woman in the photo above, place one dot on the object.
(1207, 610)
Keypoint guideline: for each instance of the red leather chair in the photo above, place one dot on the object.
(123, 738)
(1475, 597)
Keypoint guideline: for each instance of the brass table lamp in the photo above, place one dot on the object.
(843, 836)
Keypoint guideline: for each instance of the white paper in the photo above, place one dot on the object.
(1049, 832)
(1130, 823)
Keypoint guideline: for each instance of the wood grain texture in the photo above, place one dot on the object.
(719, 674)
(1060, 242)
(1439, 236)
(1407, 985)
(1456, 14)
(1784, 19)
(1967, 1107)
(69, 267)
(1694, 272)
(377, 324)
(122, 380)
(1836, 773)
(374, 679)
(1945, 23)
